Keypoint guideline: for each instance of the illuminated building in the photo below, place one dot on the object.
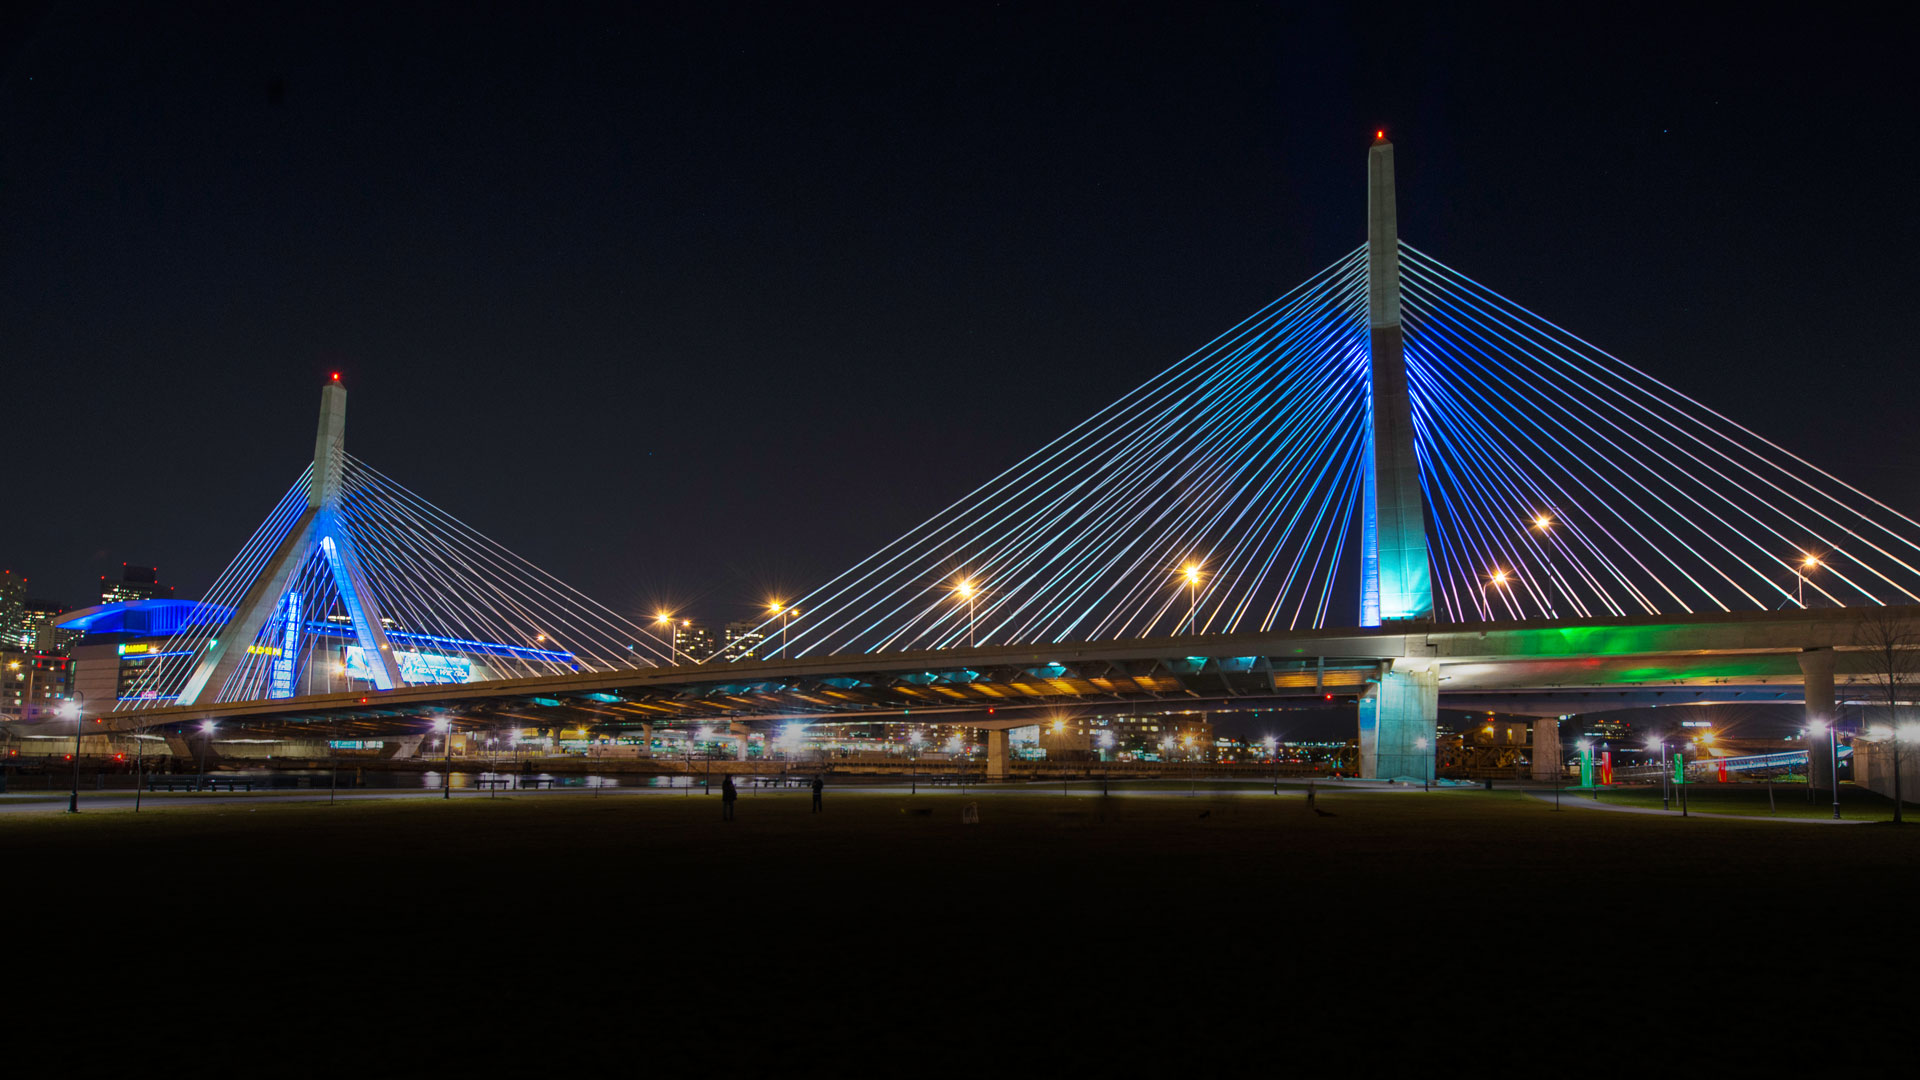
(136, 583)
(33, 686)
(13, 599)
(37, 621)
(693, 642)
(742, 638)
(1614, 731)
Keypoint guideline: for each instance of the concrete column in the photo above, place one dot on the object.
(999, 755)
(1546, 754)
(1816, 669)
(1399, 721)
(1396, 582)
(646, 740)
(739, 732)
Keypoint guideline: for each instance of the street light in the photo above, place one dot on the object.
(913, 761)
(1823, 727)
(785, 613)
(1106, 751)
(703, 732)
(1273, 746)
(77, 709)
(1192, 573)
(1654, 742)
(965, 591)
(1498, 579)
(206, 740)
(673, 640)
(445, 727)
(1808, 564)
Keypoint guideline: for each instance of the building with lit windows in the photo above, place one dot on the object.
(742, 640)
(693, 642)
(13, 600)
(136, 583)
(38, 619)
(33, 686)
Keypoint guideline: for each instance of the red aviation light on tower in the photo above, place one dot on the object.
(336, 376)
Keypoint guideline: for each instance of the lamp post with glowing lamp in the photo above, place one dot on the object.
(1192, 573)
(704, 733)
(965, 591)
(1808, 564)
(77, 708)
(673, 639)
(1541, 524)
(913, 761)
(206, 740)
(445, 727)
(1655, 742)
(785, 612)
(1106, 752)
(1273, 756)
(1498, 579)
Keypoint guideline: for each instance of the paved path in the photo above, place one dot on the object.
(1573, 802)
(95, 801)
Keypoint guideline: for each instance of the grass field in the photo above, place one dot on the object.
(1153, 928)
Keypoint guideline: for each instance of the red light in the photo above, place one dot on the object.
(336, 376)
(1377, 135)
(1329, 697)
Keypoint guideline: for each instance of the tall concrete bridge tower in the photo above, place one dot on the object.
(317, 533)
(1399, 714)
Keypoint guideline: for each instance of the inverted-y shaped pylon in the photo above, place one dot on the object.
(316, 531)
(355, 582)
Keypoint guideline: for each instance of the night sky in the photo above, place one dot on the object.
(698, 305)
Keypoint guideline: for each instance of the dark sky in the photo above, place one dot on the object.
(698, 305)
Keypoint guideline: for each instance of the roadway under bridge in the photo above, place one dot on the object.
(1540, 668)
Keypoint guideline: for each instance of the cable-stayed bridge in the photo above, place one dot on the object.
(1390, 484)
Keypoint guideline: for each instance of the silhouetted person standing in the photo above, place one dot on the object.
(819, 786)
(728, 793)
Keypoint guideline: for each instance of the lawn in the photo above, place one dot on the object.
(1155, 928)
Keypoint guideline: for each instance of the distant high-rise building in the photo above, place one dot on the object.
(32, 686)
(742, 639)
(37, 618)
(14, 631)
(136, 583)
(693, 642)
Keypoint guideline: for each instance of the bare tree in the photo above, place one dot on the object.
(1890, 638)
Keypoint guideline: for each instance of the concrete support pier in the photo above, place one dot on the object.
(999, 755)
(1816, 668)
(1399, 721)
(1547, 758)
